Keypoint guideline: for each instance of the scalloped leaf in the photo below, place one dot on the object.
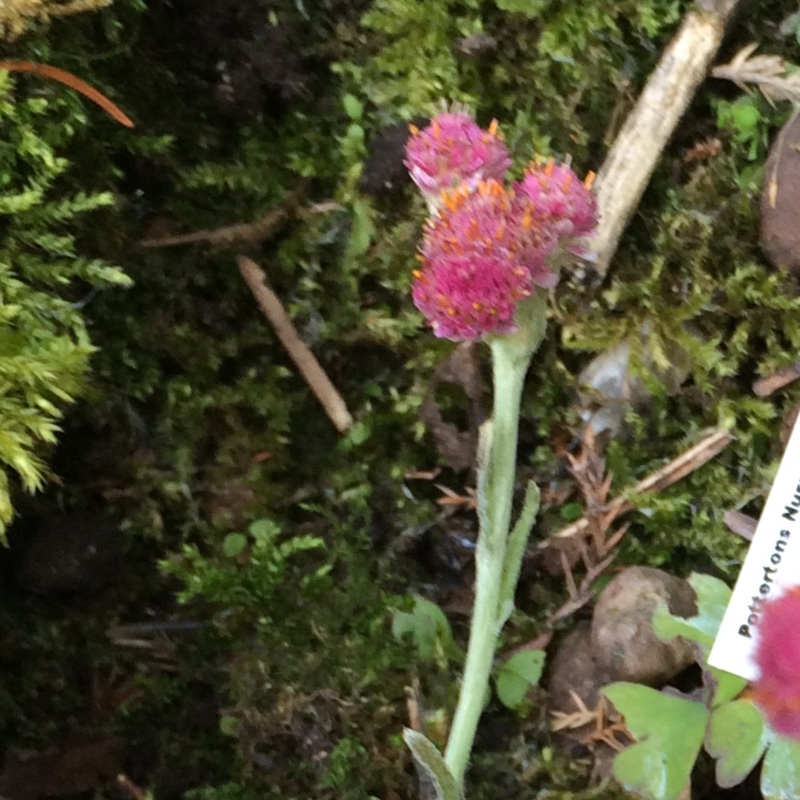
(713, 597)
(737, 737)
(670, 731)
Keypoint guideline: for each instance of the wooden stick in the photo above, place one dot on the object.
(297, 349)
(248, 232)
(638, 146)
(678, 468)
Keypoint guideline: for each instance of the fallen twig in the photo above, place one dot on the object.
(245, 232)
(775, 77)
(414, 706)
(128, 786)
(672, 472)
(298, 350)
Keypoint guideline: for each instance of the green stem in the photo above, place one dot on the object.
(510, 358)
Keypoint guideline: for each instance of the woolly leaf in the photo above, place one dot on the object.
(433, 773)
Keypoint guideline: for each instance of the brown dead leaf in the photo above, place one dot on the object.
(461, 368)
(741, 524)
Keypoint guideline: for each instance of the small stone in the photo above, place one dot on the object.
(574, 668)
(780, 199)
(623, 639)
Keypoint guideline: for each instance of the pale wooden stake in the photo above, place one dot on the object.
(630, 163)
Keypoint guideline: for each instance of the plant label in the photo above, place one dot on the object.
(772, 566)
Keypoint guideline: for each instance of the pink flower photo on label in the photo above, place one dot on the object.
(777, 690)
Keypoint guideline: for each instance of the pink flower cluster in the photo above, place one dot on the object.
(777, 690)
(487, 247)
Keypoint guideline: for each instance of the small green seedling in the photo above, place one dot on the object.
(427, 626)
(517, 675)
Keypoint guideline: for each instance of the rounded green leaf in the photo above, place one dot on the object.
(234, 544)
(427, 626)
(352, 107)
(712, 600)
(517, 675)
(737, 737)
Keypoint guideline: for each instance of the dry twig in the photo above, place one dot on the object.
(414, 706)
(593, 535)
(769, 384)
(777, 79)
(243, 233)
(130, 788)
(298, 350)
(678, 468)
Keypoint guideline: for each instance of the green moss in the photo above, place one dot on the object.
(211, 405)
(44, 344)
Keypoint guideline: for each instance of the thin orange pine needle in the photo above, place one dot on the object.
(68, 79)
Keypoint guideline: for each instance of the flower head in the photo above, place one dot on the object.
(777, 690)
(478, 263)
(466, 297)
(559, 196)
(452, 150)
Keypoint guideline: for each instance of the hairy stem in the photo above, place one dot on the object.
(510, 359)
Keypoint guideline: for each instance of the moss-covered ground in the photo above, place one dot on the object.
(192, 423)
